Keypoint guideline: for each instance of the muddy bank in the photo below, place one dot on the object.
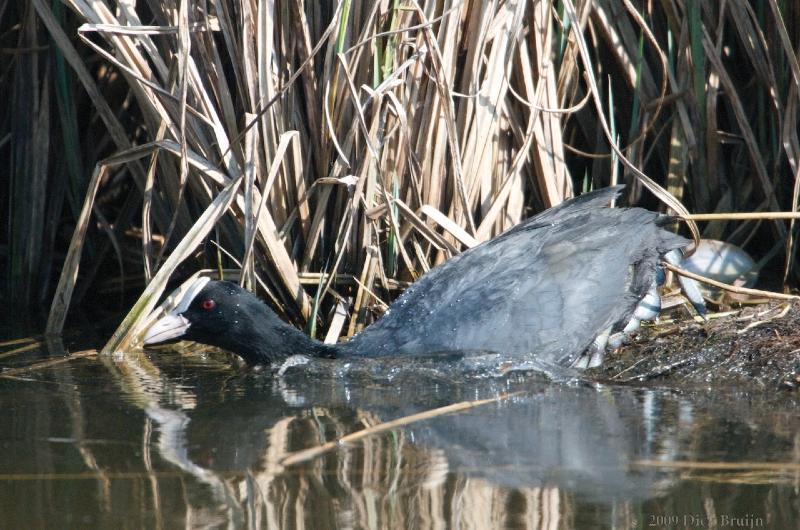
(756, 345)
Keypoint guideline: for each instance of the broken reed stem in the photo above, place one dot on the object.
(740, 216)
(47, 364)
(718, 466)
(728, 287)
(309, 454)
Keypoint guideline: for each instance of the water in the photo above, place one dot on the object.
(166, 440)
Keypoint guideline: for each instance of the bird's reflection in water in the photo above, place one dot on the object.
(525, 460)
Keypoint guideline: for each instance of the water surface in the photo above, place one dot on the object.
(166, 440)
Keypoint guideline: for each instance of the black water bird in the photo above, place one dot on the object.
(561, 287)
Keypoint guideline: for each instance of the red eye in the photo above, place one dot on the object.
(208, 304)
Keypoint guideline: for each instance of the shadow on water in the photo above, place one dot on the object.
(165, 440)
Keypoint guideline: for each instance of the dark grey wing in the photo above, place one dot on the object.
(546, 291)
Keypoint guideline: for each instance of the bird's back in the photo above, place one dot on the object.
(546, 287)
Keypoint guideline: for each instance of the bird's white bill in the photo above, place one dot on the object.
(191, 293)
(168, 327)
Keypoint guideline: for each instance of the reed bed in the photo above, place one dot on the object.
(335, 151)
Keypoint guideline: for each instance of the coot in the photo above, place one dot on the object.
(561, 286)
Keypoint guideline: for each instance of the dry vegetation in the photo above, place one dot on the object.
(335, 150)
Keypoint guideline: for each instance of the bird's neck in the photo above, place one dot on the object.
(281, 341)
